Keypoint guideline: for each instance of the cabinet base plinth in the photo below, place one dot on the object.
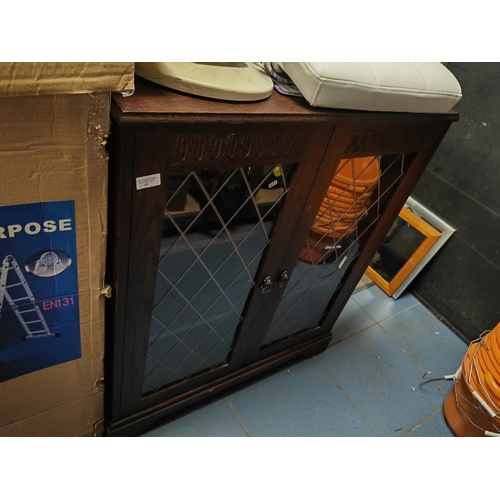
(139, 423)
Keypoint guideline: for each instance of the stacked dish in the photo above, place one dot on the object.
(472, 408)
(346, 202)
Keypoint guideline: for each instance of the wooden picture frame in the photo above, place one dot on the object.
(435, 233)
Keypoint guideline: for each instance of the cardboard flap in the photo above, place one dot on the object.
(38, 78)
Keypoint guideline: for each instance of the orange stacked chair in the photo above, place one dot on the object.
(346, 201)
(472, 408)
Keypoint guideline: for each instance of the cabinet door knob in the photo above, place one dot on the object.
(266, 287)
(284, 279)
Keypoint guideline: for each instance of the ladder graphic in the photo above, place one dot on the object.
(24, 306)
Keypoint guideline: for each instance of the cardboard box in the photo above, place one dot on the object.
(21, 79)
(54, 121)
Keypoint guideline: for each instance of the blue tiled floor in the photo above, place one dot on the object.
(367, 383)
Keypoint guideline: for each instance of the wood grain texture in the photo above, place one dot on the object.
(148, 206)
(152, 103)
(121, 165)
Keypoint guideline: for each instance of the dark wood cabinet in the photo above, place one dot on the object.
(217, 273)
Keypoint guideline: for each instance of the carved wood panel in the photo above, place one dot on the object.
(371, 141)
(192, 148)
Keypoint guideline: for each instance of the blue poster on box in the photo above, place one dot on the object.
(39, 310)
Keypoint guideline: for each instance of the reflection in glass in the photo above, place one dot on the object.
(309, 291)
(351, 206)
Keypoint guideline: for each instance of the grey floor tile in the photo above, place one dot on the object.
(374, 372)
(214, 420)
(380, 306)
(381, 381)
(434, 427)
(351, 320)
(432, 345)
(299, 401)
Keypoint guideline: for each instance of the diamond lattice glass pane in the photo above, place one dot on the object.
(216, 230)
(349, 210)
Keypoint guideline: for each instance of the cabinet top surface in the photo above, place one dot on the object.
(158, 103)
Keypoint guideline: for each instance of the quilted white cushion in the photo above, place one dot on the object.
(404, 87)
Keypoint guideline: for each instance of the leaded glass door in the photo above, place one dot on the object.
(350, 208)
(215, 225)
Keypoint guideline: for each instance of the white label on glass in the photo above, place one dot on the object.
(272, 184)
(147, 181)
